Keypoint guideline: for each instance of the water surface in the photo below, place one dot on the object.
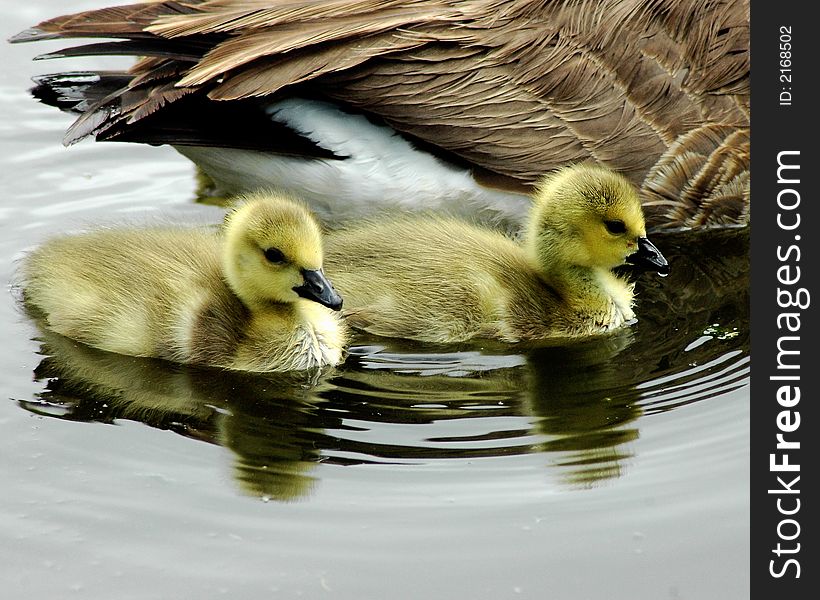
(612, 468)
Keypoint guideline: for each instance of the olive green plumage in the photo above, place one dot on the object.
(439, 279)
(237, 297)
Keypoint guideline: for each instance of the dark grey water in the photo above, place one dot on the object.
(615, 468)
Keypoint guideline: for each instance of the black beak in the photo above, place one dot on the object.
(649, 257)
(319, 289)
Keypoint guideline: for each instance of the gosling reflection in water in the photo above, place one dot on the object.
(587, 409)
(555, 394)
(266, 420)
(280, 426)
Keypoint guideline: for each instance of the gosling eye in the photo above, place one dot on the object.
(615, 227)
(274, 255)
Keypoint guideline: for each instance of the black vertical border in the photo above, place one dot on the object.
(784, 124)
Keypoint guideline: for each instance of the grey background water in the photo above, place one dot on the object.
(616, 468)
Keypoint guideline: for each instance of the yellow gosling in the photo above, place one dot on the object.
(250, 296)
(440, 279)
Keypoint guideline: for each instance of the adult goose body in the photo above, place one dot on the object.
(357, 105)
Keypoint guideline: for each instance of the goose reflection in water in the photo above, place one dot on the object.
(265, 420)
(579, 405)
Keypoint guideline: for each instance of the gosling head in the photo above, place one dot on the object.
(589, 216)
(273, 253)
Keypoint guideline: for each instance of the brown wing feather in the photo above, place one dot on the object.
(267, 76)
(127, 21)
(239, 16)
(240, 50)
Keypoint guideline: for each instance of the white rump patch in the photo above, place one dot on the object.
(383, 170)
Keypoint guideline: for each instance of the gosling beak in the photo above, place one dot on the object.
(318, 288)
(649, 257)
